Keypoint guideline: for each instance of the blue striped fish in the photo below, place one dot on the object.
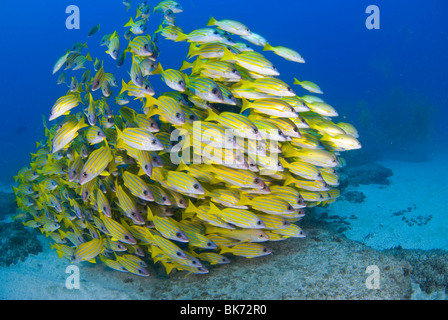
(63, 105)
(136, 91)
(207, 50)
(66, 134)
(160, 196)
(246, 235)
(178, 181)
(252, 61)
(273, 86)
(95, 165)
(137, 186)
(136, 73)
(270, 106)
(141, 46)
(248, 250)
(238, 178)
(174, 79)
(205, 88)
(88, 251)
(167, 227)
(211, 257)
(113, 47)
(202, 35)
(195, 238)
(238, 217)
(128, 204)
(98, 79)
(268, 204)
(94, 135)
(131, 265)
(140, 139)
(103, 204)
(303, 169)
(117, 231)
(167, 107)
(75, 168)
(226, 197)
(239, 124)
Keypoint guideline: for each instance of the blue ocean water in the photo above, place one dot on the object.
(390, 83)
(386, 82)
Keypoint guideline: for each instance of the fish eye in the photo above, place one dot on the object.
(295, 129)
(84, 174)
(196, 186)
(289, 208)
(126, 237)
(145, 192)
(178, 254)
(164, 199)
(146, 166)
(178, 115)
(256, 180)
(289, 89)
(258, 222)
(234, 71)
(178, 234)
(274, 68)
(279, 164)
(153, 141)
(181, 83)
(214, 91)
(261, 236)
(193, 261)
(215, 32)
(265, 250)
(255, 130)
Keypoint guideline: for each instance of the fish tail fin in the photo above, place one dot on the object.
(192, 51)
(212, 116)
(158, 70)
(129, 23)
(225, 249)
(159, 29)
(181, 37)
(211, 22)
(214, 209)
(182, 166)
(297, 82)
(149, 105)
(88, 57)
(246, 105)
(284, 163)
(150, 216)
(289, 179)
(186, 65)
(124, 86)
(267, 47)
(244, 200)
(139, 13)
(228, 55)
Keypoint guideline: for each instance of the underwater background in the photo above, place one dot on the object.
(389, 83)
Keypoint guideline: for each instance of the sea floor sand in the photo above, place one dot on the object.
(410, 212)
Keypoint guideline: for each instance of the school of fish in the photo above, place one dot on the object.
(224, 161)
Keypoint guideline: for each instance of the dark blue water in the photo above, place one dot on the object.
(390, 83)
